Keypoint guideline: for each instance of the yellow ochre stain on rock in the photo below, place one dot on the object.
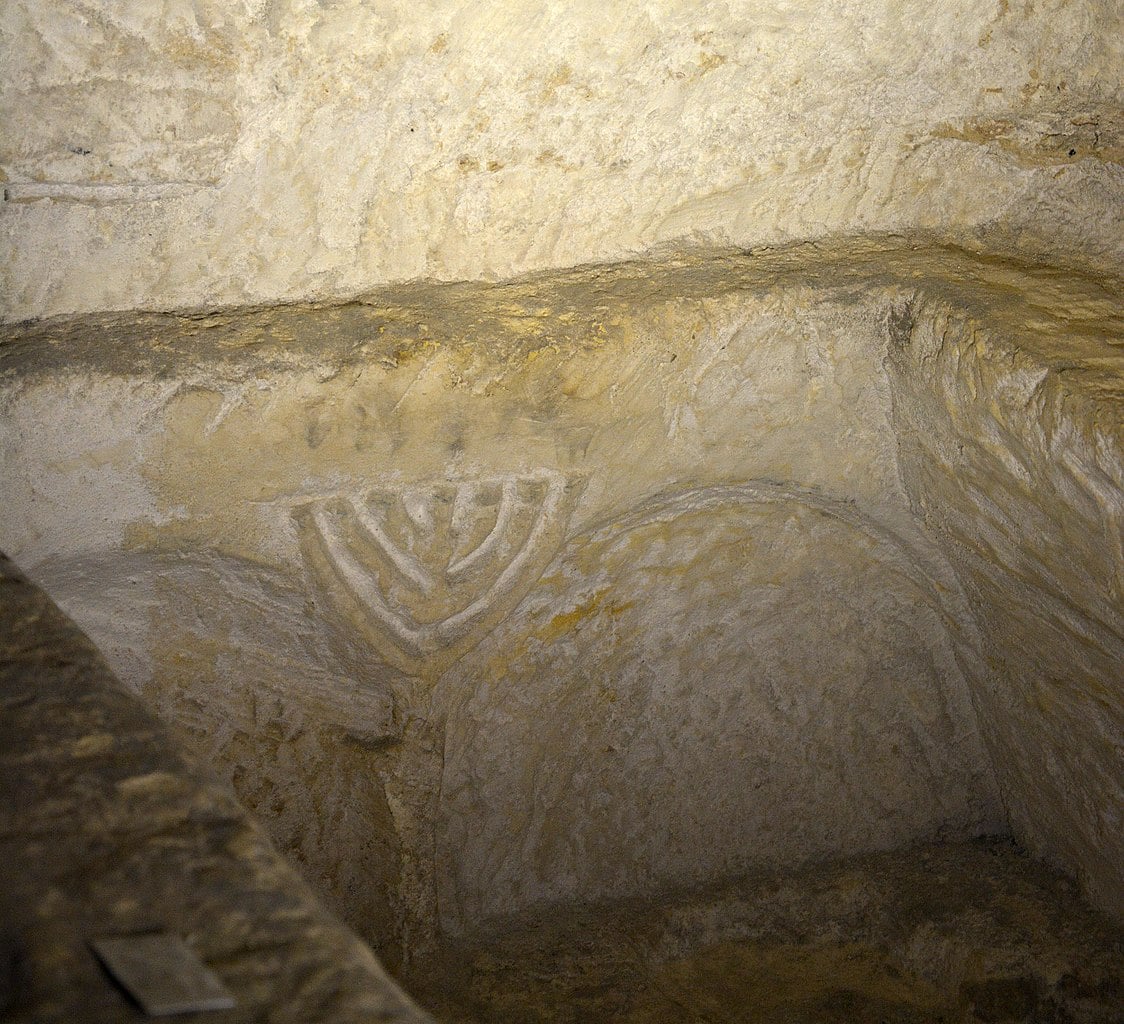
(565, 622)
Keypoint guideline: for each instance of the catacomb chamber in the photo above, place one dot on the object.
(628, 496)
(605, 585)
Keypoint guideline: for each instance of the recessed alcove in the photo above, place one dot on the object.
(499, 604)
(626, 497)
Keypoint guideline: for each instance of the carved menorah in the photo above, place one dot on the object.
(427, 570)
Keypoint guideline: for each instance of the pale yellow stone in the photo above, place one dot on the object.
(611, 580)
(769, 510)
(187, 154)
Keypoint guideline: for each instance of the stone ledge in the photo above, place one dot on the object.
(107, 831)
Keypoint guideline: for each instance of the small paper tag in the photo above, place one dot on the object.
(162, 973)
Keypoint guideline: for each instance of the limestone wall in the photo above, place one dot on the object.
(488, 597)
(201, 152)
(1012, 436)
(110, 831)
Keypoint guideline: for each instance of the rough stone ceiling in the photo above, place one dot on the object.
(186, 154)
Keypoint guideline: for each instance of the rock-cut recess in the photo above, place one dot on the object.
(606, 583)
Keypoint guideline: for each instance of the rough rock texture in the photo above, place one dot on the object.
(770, 511)
(665, 495)
(1013, 451)
(724, 678)
(107, 830)
(952, 933)
(199, 152)
(607, 581)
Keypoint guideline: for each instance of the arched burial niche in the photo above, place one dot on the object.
(605, 585)
(723, 679)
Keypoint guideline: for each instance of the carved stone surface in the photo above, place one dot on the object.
(973, 932)
(737, 653)
(106, 830)
(1021, 477)
(429, 569)
(297, 716)
(370, 558)
(104, 104)
(361, 142)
